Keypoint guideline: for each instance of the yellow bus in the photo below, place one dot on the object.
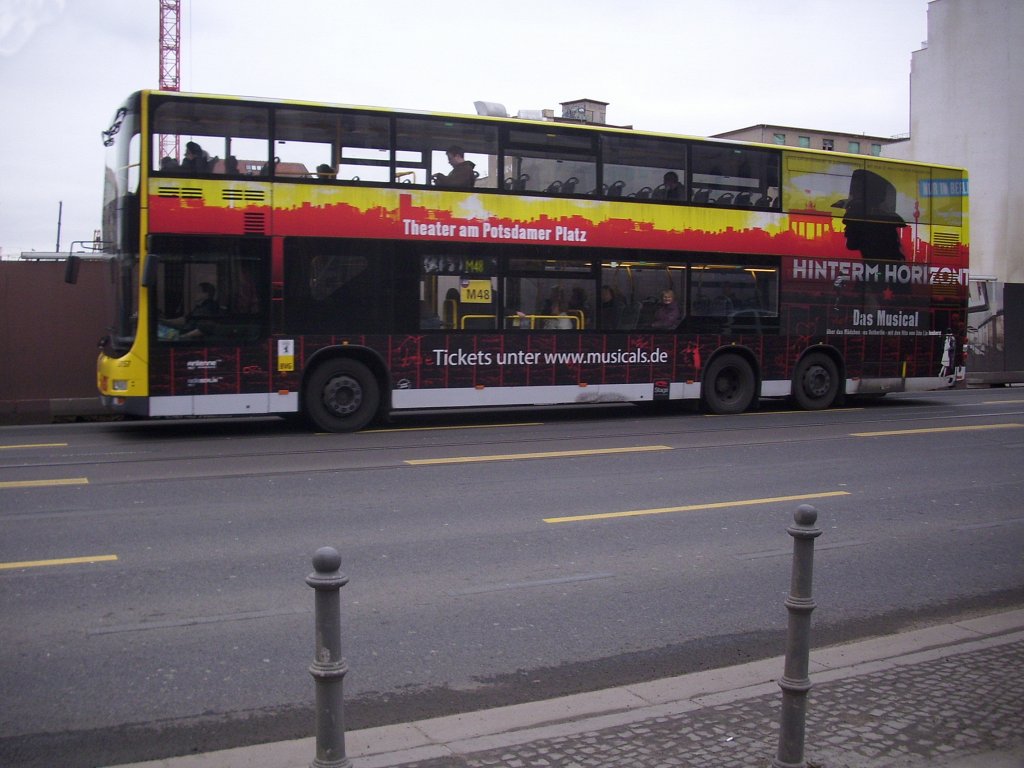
(343, 262)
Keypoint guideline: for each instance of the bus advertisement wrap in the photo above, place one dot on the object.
(341, 262)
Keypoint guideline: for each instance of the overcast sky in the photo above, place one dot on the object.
(694, 67)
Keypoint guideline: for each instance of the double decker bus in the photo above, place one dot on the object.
(341, 263)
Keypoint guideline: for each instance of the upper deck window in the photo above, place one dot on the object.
(332, 145)
(542, 159)
(730, 175)
(644, 168)
(422, 147)
(211, 138)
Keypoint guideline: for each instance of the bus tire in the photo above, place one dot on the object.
(729, 385)
(816, 382)
(341, 395)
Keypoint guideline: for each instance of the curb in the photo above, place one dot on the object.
(470, 732)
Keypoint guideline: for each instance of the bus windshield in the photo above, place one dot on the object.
(120, 223)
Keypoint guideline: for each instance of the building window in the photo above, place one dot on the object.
(854, 148)
(828, 144)
(779, 138)
(804, 141)
(876, 150)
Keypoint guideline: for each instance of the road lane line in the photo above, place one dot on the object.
(788, 552)
(544, 455)
(196, 621)
(694, 507)
(517, 585)
(32, 445)
(440, 429)
(931, 430)
(790, 413)
(60, 561)
(44, 483)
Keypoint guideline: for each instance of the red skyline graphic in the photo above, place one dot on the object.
(798, 233)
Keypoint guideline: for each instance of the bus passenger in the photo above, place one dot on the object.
(558, 320)
(196, 160)
(673, 189)
(429, 319)
(613, 305)
(324, 171)
(462, 175)
(667, 315)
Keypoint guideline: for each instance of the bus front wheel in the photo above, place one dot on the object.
(342, 396)
(728, 385)
(816, 382)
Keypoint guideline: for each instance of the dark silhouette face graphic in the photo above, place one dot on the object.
(871, 223)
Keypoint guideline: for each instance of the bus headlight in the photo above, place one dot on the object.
(120, 385)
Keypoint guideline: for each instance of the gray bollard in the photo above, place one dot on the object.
(795, 683)
(328, 669)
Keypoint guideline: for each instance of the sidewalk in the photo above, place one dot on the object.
(950, 695)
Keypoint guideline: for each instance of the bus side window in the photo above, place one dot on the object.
(364, 151)
(727, 176)
(234, 138)
(421, 146)
(734, 298)
(209, 290)
(338, 286)
(643, 168)
(544, 160)
(305, 141)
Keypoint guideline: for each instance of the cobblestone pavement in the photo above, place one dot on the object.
(915, 715)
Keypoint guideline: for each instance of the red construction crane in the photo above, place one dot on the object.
(170, 63)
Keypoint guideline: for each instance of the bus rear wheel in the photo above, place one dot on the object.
(728, 385)
(341, 396)
(816, 382)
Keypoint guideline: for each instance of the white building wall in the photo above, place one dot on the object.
(967, 108)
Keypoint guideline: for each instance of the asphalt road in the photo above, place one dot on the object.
(152, 574)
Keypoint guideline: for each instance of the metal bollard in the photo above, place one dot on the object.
(328, 669)
(795, 683)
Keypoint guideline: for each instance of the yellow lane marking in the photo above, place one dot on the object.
(1000, 402)
(545, 455)
(33, 445)
(61, 561)
(44, 483)
(694, 507)
(439, 429)
(931, 430)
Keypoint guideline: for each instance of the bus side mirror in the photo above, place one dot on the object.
(71, 266)
(149, 273)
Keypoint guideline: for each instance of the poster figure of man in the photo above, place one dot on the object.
(871, 223)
